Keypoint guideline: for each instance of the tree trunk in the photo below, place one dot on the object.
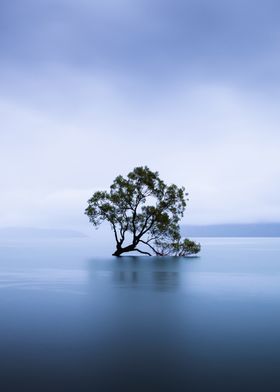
(121, 250)
(117, 253)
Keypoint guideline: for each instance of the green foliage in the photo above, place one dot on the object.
(183, 248)
(143, 208)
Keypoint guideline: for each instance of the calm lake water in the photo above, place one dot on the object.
(73, 321)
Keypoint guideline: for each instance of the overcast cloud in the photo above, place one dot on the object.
(90, 89)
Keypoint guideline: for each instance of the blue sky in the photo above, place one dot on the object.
(90, 89)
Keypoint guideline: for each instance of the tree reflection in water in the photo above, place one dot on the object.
(134, 272)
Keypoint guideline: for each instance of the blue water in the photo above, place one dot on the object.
(71, 320)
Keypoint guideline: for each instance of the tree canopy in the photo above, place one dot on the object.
(144, 214)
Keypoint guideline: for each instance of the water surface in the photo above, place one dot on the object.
(74, 321)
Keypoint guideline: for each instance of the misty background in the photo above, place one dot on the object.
(91, 89)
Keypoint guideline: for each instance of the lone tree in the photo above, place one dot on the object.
(143, 211)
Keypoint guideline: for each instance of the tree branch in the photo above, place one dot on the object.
(153, 249)
(147, 228)
(140, 251)
(115, 232)
(151, 239)
(134, 217)
(144, 228)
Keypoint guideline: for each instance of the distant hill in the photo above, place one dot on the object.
(37, 233)
(232, 230)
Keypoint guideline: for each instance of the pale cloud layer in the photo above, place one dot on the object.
(73, 118)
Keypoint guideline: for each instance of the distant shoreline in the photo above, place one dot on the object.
(258, 230)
